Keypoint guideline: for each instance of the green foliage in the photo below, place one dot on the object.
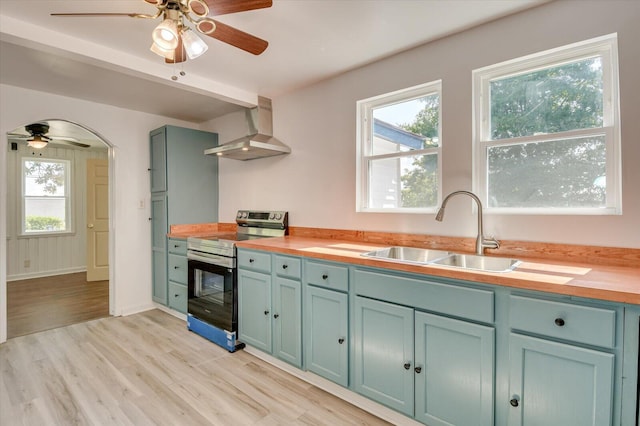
(43, 223)
(50, 175)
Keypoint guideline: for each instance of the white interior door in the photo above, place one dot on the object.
(97, 219)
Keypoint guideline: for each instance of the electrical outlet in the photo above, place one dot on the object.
(27, 263)
(141, 203)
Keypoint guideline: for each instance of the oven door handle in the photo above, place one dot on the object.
(211, 258)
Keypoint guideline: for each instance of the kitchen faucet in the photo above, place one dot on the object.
(481, 241)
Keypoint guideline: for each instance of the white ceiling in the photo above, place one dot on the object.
(107, 59)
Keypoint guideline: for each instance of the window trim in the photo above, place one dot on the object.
(605, 47)
(68, 197)
(364, 116)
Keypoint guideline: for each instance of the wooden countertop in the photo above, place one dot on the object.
(605, 282)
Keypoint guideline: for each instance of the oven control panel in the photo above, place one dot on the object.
(260, 218)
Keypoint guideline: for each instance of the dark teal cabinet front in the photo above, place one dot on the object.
(553, 383)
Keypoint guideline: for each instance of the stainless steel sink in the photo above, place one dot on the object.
(479, 263)
(407, 254)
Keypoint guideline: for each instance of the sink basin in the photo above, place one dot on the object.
(407, 254)
(479, 263)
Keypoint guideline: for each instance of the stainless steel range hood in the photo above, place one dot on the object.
(259, 143)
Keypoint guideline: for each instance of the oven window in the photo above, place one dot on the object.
(212, 295)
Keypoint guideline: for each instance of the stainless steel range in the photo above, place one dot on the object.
(213, 281)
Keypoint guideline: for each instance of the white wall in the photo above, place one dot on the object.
(128, 132)
(316, 182)
(50, 254)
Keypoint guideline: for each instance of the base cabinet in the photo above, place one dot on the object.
(554, 383)
(270, 304)
(326, 343)
(436, 369)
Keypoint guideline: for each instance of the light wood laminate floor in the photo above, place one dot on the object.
(44, 303)
(148, 369)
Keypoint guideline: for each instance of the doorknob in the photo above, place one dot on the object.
(90, 225)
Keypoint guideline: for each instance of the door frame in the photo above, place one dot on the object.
(3, 227)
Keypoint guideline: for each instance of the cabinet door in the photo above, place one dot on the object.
(159, 248)
(326, 343)
(254, 309)
(287, 320)
(158, 161)
(553, 383)
(454, 371)
(384, 353)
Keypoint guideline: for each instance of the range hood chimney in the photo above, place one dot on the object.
(259, 143)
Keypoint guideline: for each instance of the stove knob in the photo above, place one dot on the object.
(272, 216)
(239, 215)
(278, 216)
(245, 214)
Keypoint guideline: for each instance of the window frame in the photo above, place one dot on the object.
(604, 47)
(364, 135)
(68, 197)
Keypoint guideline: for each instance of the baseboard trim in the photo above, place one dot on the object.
(40, 274)
(345, 394)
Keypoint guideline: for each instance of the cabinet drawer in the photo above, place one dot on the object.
(254, 260)
(286, 266)
(178, 246)
(178, 269)
(326, 275)
(584, 324)
(178, 297)
(456, 300)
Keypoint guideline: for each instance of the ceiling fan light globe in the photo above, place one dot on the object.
(198, 7)
(167, 54)
(37, 142)
(206, 26)
(193, 45)
(165, 35)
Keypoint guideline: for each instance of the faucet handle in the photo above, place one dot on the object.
(491, 243)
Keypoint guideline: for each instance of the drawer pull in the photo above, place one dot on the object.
(266, 312)
(341, 340)
(176, 245)
(176, 295)
(325, 276)
(418, 370)
(176, 267)
(285, 266)
(251, 260)
(559, 322)
(407, 365)
(514, 402)
(276, 316)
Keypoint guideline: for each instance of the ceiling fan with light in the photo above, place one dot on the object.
(38, 138)
(175, 40)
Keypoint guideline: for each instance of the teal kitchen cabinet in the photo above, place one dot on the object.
(184, 189)
(178, 274)
(384, 353)
(270, 304)
(326, 313)
(427, 365)
(562, 362)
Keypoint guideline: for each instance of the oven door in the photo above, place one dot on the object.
(213, 293)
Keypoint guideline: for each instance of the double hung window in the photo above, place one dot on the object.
(46, 198)
(399, 150)
(546, 132)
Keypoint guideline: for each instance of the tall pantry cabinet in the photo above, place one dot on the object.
(184, 190)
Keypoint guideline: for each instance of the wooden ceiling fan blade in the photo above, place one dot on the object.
(223, 7)
(78, 144)
(239, 39)
(100, 15)
(63, 138)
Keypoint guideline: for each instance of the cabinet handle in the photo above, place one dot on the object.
(276, 315)
(514, 402)
(150, 218)
(407, 365)
(325, 276)
(251, 261)
(559, 322)
(149, 170)
(418, 370)
(176, 267)
(176, 245)
(285, 266)
(341, 340)
(266, 312)
(176, 295)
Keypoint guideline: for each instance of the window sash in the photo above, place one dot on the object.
(606, 48)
